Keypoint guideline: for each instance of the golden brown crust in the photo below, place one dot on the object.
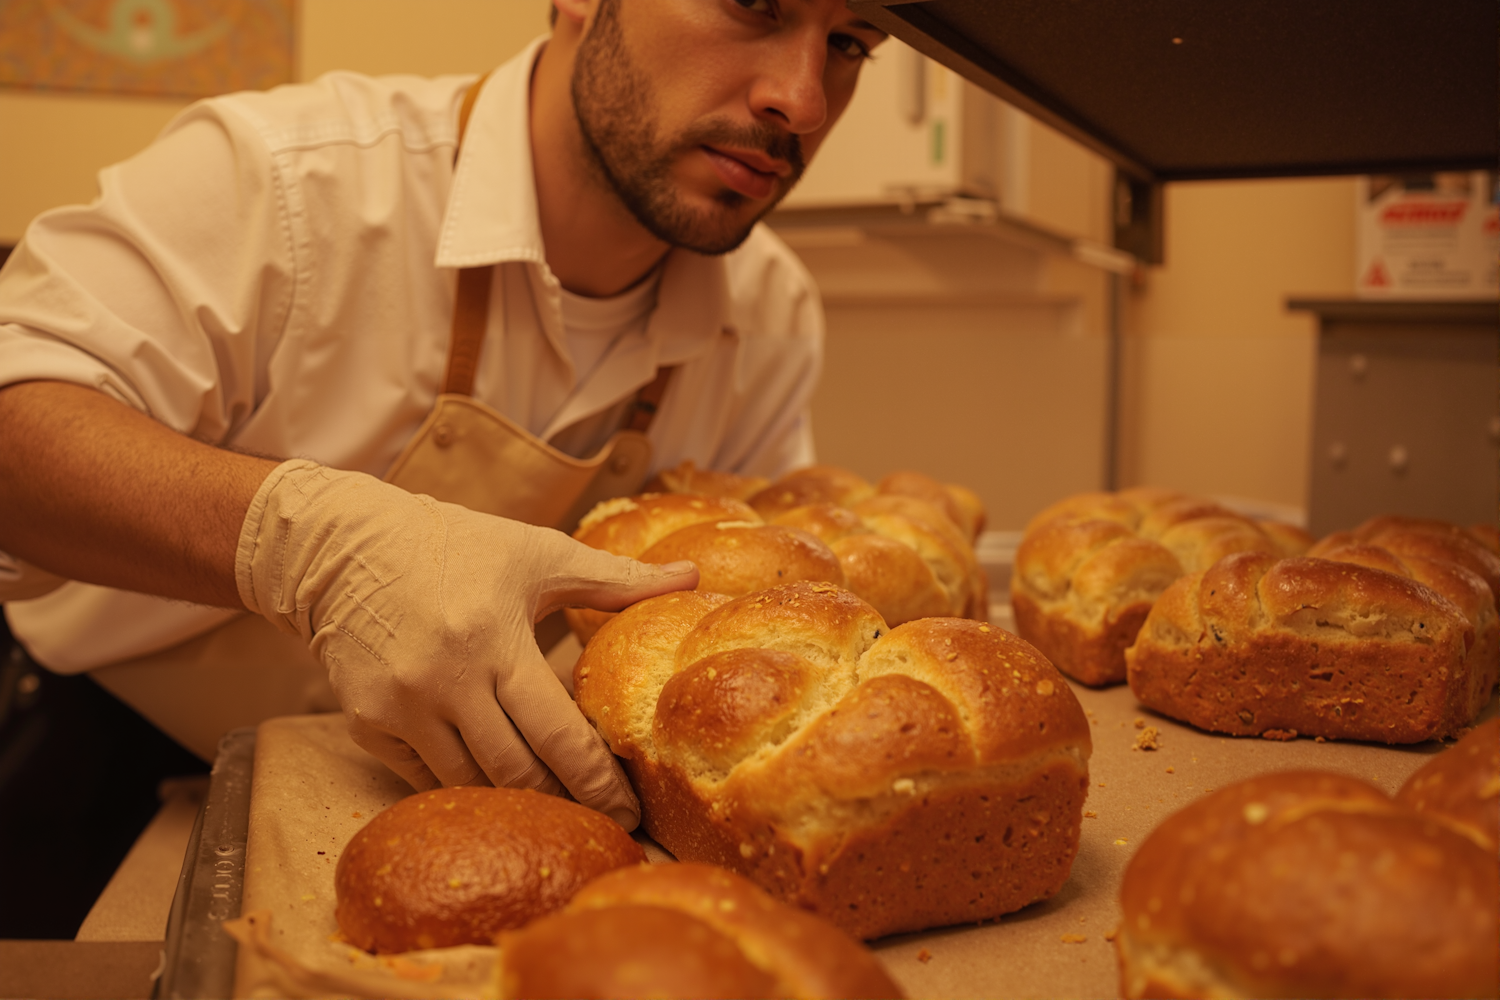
(1461, 786)
(459, 865)
(814, 484)
(920, 486)
(1433, 539)
(1288, 539)
(775, 950)
(1487, 535)
(1081, 591)
(799, 740)
(1458, 584)
(629, 526)
(1317, 647)
(1307, 884)
(686, 477)
(971, 507)
(736, 558)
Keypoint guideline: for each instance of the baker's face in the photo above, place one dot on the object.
(702, 114)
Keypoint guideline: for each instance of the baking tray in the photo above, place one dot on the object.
(199, 960)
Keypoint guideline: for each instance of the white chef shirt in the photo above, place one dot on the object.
(276, 273)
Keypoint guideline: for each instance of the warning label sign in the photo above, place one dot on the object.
(1429, 236)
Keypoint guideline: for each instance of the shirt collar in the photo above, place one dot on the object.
(492, 211)
(492, 216)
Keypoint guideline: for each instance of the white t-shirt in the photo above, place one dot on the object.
(593, 326)
(277, 272)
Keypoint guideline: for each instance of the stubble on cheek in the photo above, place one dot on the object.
(616, 109)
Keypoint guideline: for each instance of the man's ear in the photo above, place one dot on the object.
(576, 11)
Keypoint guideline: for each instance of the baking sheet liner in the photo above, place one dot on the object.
(313, 789)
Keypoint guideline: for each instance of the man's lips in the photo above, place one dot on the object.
(749, 173)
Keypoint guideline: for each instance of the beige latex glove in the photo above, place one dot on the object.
(423, 612)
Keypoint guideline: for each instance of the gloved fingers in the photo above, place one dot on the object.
(564, 740)
(593, 578)
(395, 753)
(440, 751)
(499, 748)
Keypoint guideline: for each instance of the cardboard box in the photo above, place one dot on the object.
(1428, 236)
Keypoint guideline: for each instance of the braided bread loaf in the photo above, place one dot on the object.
(1260, 646)
(888, 780)
(684, 931)
(1089, 568)
(1446, 558)
(897, 551)
(1309, 884)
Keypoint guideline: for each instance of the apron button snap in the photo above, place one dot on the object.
(442, 435)
(619, 464)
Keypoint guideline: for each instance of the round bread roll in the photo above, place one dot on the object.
(1461, 786)
(887, 779)
(685, 931)
(1308, 884)
(458, 865)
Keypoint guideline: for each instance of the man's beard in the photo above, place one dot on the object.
(616, 114)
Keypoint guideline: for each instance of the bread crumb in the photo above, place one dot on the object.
(1121, 840)
(1090, 814)
(1101, 784)
(1074, 938)
(356, 815)
(924, 956)
(1147, 739)
(1171, 770)
(1318, 739)
(1283, 735)
(1110, 935)
(1140, 723)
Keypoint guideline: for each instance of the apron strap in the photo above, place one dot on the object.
(471, 311)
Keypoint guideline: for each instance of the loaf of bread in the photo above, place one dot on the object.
(459, 865)
(1429, 559)
(735, 551)
(1308, 884)
(820, 484)
(1260, 646)
(886, 779)
(1461, 787)
(1089, 568)
(685, 931)
(899, 552)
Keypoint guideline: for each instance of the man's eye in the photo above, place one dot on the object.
(757, 6)
(849, 46)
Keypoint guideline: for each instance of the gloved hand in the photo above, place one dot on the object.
(423, 613)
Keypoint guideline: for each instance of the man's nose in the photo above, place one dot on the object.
(789, 91)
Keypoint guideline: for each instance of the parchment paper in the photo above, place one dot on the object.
(313, 788)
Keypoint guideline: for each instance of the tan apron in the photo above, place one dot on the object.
(466, 453)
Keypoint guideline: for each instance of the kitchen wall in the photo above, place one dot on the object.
(55, 143)
(955, 369)
(1218, 375)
